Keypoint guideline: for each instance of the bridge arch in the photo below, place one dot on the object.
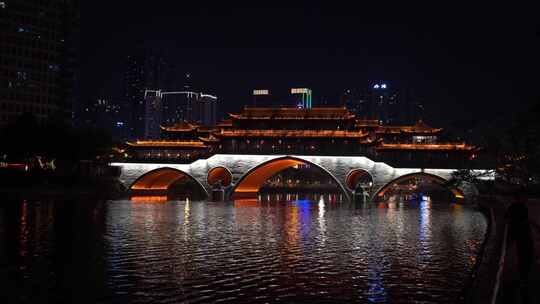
(356, 176)
(249, 184)
(458, 193)
(158, 181)
(221, 174)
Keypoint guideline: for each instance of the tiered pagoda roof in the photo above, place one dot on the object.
(205, 129)
(361, 131)
(367, 123)
(430, 147)
(419, 128)
(182, 126)
(337, 113)
(210, 139)
(168, 144)
(292, 133)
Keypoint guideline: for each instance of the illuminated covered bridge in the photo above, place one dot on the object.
(243, 175)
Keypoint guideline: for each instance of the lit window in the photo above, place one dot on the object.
(261, 92)
(21, 75)
(54, 67)
(2, 4)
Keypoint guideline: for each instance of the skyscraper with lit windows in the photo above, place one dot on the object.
(382, 102)
(303, 97)
(38, 57)
(145, 70)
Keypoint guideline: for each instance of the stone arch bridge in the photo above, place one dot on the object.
(247, 173)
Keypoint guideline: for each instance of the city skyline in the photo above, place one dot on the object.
(246, 152)
(455, 64)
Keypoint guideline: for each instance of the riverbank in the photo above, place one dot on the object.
(510, 290)
(484, 278)
(104, 188)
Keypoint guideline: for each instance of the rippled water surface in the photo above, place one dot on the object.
(242, 252)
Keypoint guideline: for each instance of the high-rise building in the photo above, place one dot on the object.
(384, 103)
(169, 108)
(206, 111)
(145, 71)
(38, 48)
(294, 97)
(302, 97)
(178, 106)
(357, 103)
(153, 111)
(189, 106)
(104, 113)
(384, 100)
(261, 97)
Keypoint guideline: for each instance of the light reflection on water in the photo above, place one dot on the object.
(247, 251)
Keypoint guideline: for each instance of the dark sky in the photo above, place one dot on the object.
(468, 61)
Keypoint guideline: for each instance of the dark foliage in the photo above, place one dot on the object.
(516, 151)
(53, 139)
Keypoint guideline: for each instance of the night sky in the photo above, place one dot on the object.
(468, 62)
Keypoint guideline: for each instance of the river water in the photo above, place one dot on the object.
(237, 252)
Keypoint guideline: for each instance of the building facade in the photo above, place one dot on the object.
(207, 109)
(294, 97)
(178, 106)
(380, 101)
(261, 97)
(38, 58)
(105, 114)
(167, 108)
(302, 97)
(316, 131)
(144, 71)
(153, 112)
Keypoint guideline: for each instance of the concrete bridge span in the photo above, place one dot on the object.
(248, 172)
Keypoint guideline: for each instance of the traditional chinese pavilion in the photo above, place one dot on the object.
(319, 131)
(316, 131)
(182, 142)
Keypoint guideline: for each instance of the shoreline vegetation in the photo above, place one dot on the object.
(106, 189)
(87, 180)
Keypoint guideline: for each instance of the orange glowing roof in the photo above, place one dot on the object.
(366, 123)
(419, 127)
(182, 126)
(168, 143)
(294, 113)
(210, 138)
(291, 133)
(428, 147)
(368, 140)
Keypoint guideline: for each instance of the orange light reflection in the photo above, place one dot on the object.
(149, 199)
(246, 203)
